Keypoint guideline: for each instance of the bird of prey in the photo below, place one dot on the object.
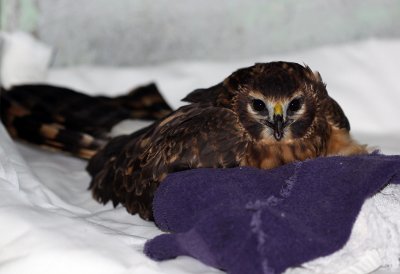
(262, 116)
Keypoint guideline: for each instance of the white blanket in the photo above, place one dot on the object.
(50, 223)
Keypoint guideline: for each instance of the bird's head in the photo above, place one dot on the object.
(278, 101)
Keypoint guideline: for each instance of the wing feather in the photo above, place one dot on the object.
(195, 136)
(335, 114)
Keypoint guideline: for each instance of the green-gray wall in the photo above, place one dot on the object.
(137, 32)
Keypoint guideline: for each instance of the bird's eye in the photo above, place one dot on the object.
(294, 105)
(258, 105)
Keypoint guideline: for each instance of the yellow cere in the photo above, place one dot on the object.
(278, 109)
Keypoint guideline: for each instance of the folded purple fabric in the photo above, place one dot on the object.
(246, 220)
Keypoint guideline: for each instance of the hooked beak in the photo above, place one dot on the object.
(278, 121)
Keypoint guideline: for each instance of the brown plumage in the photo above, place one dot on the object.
(264, 116)
(63, 119)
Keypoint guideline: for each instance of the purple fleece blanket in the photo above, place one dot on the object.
(246, 220)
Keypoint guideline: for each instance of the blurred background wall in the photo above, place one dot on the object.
(139, 32)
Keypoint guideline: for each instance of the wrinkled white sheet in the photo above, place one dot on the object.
(49, 222)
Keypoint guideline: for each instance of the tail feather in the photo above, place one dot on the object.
(32, 127)
(66, 120)
(144, 102)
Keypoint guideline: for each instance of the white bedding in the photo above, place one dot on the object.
(50, 223)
